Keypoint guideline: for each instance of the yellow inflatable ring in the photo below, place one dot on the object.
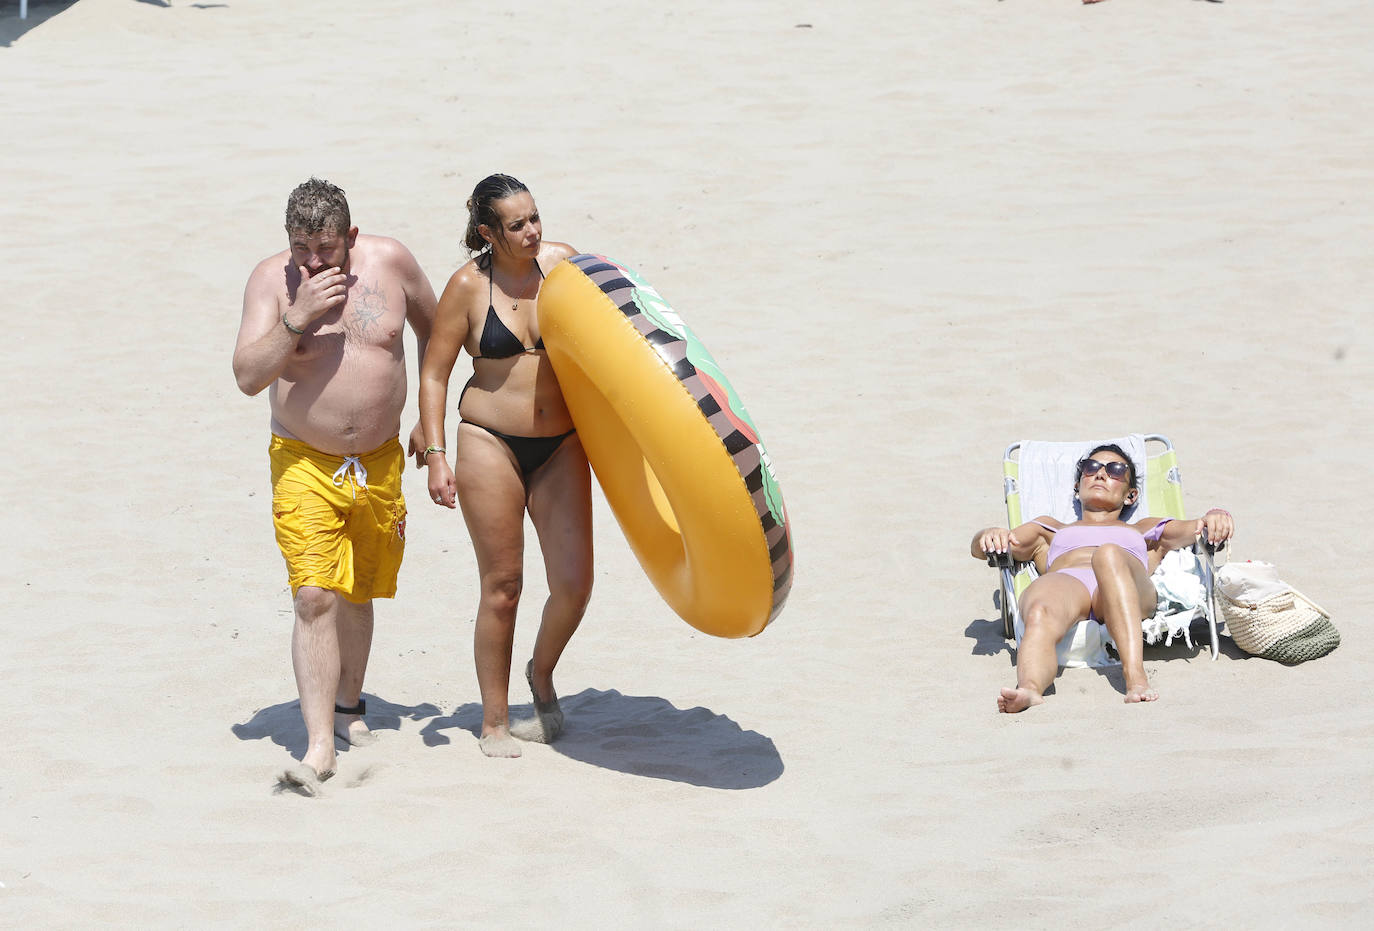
(675, 452)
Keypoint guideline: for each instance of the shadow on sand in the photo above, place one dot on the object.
(987, 638)
(283, 725)
(13, 28)
(40, 11)
(643, 736)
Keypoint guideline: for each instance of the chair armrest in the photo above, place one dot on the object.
(1003, 561)
(1204, 545)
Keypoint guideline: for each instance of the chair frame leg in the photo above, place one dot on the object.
(1207, 558)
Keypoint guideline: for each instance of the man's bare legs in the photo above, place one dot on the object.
(1049, 607)
(354, 632)
(315, 659)
(330, 644)
(1123, 593)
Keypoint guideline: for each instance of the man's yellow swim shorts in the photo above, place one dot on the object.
(340, 520)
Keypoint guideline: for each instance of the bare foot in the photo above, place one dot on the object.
(1140, 693)
(1014, 700)
(540, 729)
(547, 722)
(499, 744)
(304, 779)
(352, 730)
(321, 759)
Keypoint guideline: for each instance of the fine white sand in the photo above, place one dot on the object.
(911, 233)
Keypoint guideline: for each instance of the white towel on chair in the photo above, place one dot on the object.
(1045, 476)
(1181, 598)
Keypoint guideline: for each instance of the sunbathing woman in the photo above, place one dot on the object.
(515, 450)
(1095, 568)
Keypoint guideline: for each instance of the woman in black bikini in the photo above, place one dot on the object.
(515, 450)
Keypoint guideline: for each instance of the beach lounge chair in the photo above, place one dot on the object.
(1038, 478)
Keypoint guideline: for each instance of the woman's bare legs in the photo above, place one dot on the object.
(560, 506)
(1124, 597)
(492, 497)
(1049, 607)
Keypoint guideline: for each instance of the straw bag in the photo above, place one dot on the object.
(1268, 617)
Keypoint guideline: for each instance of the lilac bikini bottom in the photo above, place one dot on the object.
(1089, 580)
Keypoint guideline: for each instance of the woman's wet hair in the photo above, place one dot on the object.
(482, 207)
(1108, 448)
(316, 206)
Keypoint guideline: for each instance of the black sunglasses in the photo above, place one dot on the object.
(1117, 470)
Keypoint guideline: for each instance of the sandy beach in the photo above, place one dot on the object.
(911, 234)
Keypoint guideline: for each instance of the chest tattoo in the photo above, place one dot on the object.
(368, 306)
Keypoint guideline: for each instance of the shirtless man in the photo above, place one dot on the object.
(322, 329)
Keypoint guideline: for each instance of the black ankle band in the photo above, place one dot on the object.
(359, 708)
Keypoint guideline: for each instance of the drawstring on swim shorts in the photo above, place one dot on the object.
(358, 476)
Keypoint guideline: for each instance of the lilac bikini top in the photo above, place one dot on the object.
(1077, 536)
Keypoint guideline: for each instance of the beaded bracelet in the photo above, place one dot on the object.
(289, 327)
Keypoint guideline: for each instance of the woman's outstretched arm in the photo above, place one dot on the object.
(1024, 543)
(1176, 534)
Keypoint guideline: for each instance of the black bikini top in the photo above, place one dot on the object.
(497, 341)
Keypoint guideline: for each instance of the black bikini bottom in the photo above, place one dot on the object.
(530, 452)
